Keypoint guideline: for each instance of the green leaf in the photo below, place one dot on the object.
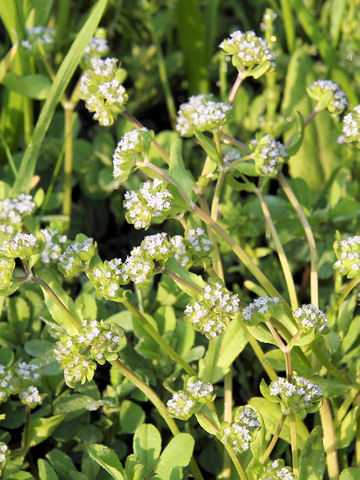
(107, 458)
(62, 79)
(212, 416)
(42, 428)
(337, 9)
(131, 416)
(147, 446)
(63, 465)
(7, 61)
(175, 267)
(228, 347)
(46, 471)
(312, 460)
(86, 303)
(346, 431)
(177, 171)
(297, 140)
(176, 454)
(350, 474)
(20, 476)
(271, 414)
(34, 86)
(57, 312)
(75, 404)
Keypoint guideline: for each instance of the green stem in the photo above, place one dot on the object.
(344, 407)
(274, 439)
(329, 440)
(26, 438)
(8, 153)
(314, 287)
(146, 325)
(281, 252)
(347, 289)
(233, 164)
(158, 404)
(235, 87)
(68, 161)
(288, 24)
(294, 445)
(284, 348)
(237, 464)
(178, 279)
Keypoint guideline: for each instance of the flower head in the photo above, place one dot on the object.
(260, 310)
(276, 470)
(97, 48)
(21, 245)
(201, 114)
(239, 434)
(55, 243)
(182, 405)
(4, 451)
(39, 38)
(13, 211)
(311, 318)
(348, 254)
(299, 394)
(77, 256)
(335, 100)
(151, 201)
(351, 126)
(269, 154)
(201, 391)
(250, 54)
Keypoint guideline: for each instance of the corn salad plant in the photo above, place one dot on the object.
(182, 301)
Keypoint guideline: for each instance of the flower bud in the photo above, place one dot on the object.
(201, 114)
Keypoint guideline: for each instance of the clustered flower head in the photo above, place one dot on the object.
(21, 245)
(151, 201)
(348, 256)
(330, 93)
(4, 450)
(13, 211)
(19, 380)
(250, 54)
(55, 243)
(185, 402)
(94, 342)
(351, 126)
(193, 248)
(276, 470)
(299, 394)
(39, 38)
(77, 256)
(311, 318)
(269, 154)
(201, 114)
(239, 434)
(211, 313)
(261, 310)
(137, 268)
(101, 89)
(132, 144)
(97, 48)
(107, 278)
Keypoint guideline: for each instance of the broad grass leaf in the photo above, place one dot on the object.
(147, 446)
(312, 460)
(107, 458)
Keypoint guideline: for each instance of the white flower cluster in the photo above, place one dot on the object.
(348, 254)
(275, 470)
(240, 433)
(260, 310)
(269, 154)
(192, 248)
(337, 102)
(3, 450)
(181, 405)
(201, 114)
(152, 200)
(107, 278)
(351, 126)
(76, 257)
(13, 210)
(95, 341)
(19, 380)
(97, 48)
(21, 245)
(210, 314)
(102, 91)
(311, 318)
(249, 52)
(39, 36)
(181, 253)
(137, 268)
(297, 394)
(54, 245)
(132, 143)
(199, 389)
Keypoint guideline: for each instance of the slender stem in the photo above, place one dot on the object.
(281, 252)
(289, 24)
(237, 464)
(217, 194)
(329, 440)
(233, 140)
(146, 325)
(314, 287)
(274, 439)
(284, 348)
(347, 289)
(135, 121)
(235, 87)
(158, 404)
(178, 279)
(8, 153)
(233, 164)
(294, 445)
(68, 161)
(26, 438)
